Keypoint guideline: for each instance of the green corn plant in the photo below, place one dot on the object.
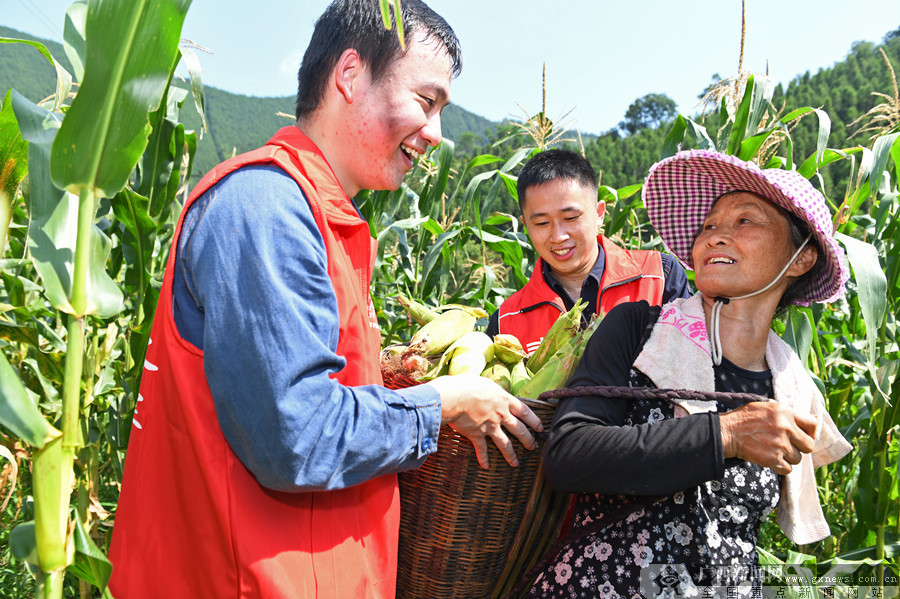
(125, 57)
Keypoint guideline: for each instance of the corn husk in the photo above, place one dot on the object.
(419, 312)
(422, 314)
(563, 331)
(558, 369)
(518, 376)
(470, 353)
(508, 348)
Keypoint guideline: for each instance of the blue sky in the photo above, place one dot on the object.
(600, 55)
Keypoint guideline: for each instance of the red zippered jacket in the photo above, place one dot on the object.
(192, 521)
(628, 276)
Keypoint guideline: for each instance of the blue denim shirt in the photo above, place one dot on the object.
(251, 289)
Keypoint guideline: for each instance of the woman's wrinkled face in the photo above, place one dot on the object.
(744, 243)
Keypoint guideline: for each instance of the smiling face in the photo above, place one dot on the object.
(743, 245)
(396, 118)
(563, 217)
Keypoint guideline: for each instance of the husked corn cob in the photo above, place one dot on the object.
(560, 334)
(441, 332)
(508, 348)
(470, 353)
(498, 372)
(518, 376)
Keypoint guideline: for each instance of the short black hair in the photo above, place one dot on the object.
(358, 24)
(551, 165)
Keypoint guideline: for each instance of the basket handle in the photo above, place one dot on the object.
(651, 393)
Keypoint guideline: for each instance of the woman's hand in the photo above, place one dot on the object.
(768, 434)
(479, 408)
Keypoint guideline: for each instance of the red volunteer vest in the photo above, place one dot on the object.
(628, 276)
(192, 521)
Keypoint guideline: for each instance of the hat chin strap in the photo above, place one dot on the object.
(720, 301)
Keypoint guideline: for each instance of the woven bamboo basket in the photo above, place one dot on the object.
(472, 533)
(468, 532)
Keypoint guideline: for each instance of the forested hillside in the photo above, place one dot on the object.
(844, 91)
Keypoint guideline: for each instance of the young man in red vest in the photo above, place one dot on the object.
(263, 456)
(558, 198)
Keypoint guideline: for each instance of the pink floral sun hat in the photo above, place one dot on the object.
(680, 190)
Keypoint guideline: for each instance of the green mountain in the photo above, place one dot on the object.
(237, 123)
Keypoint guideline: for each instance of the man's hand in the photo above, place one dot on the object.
(479, 408)
(768, 434)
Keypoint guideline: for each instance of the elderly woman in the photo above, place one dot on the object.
(672, 493)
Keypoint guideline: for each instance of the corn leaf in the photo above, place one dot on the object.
(808, 168)
(73, 36)
(754, 105)
(130, 51)
(701, 137)
(161, 162)
(386, 13)
(871, 284)
(90, 564)
(22, 543)
(54, 216)
(882, 151)
(798, 332)
(63, 78)
(432, 196)
(18, 413)
(195, 72)
(674, 138)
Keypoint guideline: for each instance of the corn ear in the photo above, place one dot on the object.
(470, 353)
(518, 376)
(421, 313)
(557, 371)
(498, 372)
(470, 362)
(563, 331)
(508, 348)
(554, 374)
(441, 332)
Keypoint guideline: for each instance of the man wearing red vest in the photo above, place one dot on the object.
(558, 198)
(263, 455)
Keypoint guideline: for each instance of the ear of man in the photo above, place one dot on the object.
(347, 73)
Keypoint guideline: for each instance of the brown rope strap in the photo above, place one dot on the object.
(650, 393)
